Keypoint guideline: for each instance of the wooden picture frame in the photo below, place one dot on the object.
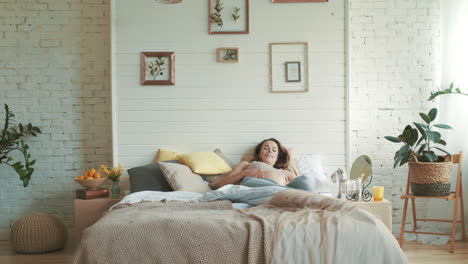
(157, 68)
(297, 1)
(224, 22)
(289, 67)
(227, 55)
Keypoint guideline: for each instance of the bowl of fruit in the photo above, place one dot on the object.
(91, 179)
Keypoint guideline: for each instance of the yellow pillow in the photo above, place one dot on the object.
(165, 154)
(207, 163)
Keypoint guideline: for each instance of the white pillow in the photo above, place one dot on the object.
(310, 166)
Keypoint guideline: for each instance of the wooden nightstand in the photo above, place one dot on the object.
(87, 212)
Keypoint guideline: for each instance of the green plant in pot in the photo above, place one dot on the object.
(11, 140)
(430, 173)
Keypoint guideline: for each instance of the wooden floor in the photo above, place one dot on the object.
(416, 254)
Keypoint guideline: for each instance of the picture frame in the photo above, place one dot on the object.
(227, 55)
(293, 71)
(157, 68)
(297, 1)
(232, 19)
(289, 67)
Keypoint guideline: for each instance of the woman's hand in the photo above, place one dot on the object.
(254, 174)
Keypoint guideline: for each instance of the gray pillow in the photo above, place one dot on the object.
(148, 178)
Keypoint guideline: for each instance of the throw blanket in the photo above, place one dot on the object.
(294, 227)
(174, 232)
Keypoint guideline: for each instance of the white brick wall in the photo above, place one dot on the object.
(54, 72)
(394, 65)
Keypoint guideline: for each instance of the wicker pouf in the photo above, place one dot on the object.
(38, 233)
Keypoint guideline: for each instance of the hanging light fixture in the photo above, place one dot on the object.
(169, 1)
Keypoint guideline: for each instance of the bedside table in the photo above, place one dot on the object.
(87, 212)
(382, 209)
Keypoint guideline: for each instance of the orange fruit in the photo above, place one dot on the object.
(86, 174)
(89, 178)
(91, 172)
(81, 177)
(97, 175)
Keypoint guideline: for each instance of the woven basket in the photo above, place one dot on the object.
(430, 178)
(38, 233)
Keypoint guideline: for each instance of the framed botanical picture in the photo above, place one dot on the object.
(297, 1)
(293, 71)
(157, 68)
(227, 55)
(289, 67)
(228, 16)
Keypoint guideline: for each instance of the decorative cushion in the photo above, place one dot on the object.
(148, 178)
(38, 233)
(207, 163)
(181, 178)
(310, 166)
(165, 155)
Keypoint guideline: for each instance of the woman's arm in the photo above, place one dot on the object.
(237, 174)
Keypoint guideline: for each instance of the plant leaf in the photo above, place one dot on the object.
(397, 158)
(443, 126)
(413, 138)
(420, 128)
(392, 139)
(426, 127)
(433, 136)
(421, 149)
(407, 133)
(442, 142)
(425, 117)
(430, 155)
(405, 158)
(433, 114)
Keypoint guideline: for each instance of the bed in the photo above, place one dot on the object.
(254, 222)
(226, 226)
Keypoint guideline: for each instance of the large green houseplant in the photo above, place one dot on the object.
(11, 140)
(430, 173)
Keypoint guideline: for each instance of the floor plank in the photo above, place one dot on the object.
(417, 254)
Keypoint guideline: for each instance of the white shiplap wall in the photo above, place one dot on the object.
(226, 105)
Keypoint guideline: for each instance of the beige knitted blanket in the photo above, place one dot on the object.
(174, 232)
(295, 227)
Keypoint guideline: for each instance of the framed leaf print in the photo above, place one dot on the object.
(157, 68)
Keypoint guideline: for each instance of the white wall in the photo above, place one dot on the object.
(228, 105)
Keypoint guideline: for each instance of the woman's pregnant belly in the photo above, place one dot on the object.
(276, 176)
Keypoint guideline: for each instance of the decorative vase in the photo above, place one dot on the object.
(115, 190)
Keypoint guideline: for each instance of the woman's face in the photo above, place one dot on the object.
(269, 152)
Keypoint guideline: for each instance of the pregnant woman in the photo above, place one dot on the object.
(271, 161)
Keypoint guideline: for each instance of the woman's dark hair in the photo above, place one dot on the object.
(283, 157)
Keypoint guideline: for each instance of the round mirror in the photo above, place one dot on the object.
(362, 166)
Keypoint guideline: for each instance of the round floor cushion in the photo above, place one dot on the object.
(38, 233)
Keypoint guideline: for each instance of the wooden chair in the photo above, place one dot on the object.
(457, 195)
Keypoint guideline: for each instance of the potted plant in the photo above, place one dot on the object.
(430, 174)
(11, 139)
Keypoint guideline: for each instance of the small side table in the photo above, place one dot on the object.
(382, 209)
(88, 212)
